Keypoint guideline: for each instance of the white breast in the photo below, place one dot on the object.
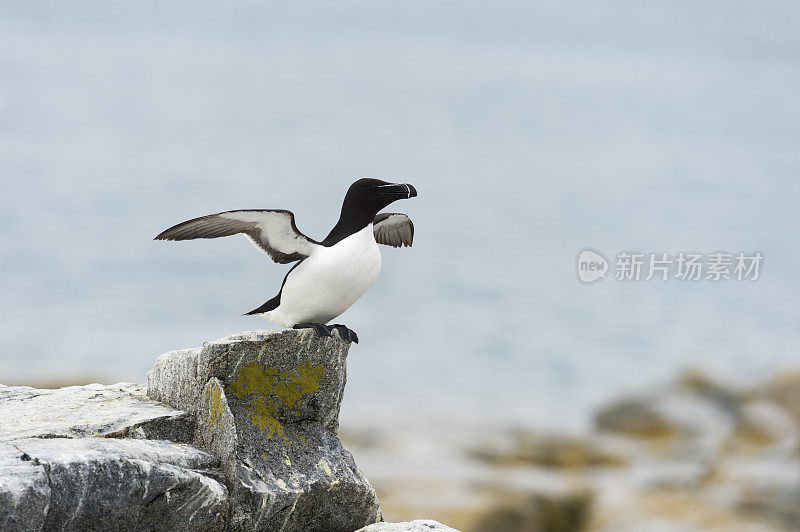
(329, 281)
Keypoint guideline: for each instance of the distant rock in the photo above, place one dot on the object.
(539, 512)
(693, 454)
(633, 417)
(692, 410)
(548, 450)
(732, 449)
(698, 384)
(767, 424)
(784, 390)
(768, 489)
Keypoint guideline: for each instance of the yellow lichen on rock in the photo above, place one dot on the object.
(267, 390)
(215, 408)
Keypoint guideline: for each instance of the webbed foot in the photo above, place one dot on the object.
(319, 328)
(345, 333)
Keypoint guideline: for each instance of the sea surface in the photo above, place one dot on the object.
(532, 130)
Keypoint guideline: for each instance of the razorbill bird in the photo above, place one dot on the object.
(329, 275)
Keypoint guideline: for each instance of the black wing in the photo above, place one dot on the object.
(271, 230)
(393, 229)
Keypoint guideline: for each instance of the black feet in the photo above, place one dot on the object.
(346, 334)
(319, 328)
(325, 330)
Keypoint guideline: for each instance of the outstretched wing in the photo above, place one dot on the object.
(271, 230)
(393, 229)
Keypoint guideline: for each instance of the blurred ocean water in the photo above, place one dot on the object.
(530, 130)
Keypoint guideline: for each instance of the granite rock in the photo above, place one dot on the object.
(103, 457)
(24, 490)
(239, 434)
(267, 404)
(119, 410)
(419, 525)
(104, 484)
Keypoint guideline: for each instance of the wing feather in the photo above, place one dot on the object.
(271, 230)
(393, 229)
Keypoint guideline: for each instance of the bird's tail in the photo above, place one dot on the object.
(272, 304)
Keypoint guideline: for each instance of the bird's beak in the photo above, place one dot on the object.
(398, 190)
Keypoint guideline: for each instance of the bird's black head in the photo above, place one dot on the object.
(368, 196)
(364, 199)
